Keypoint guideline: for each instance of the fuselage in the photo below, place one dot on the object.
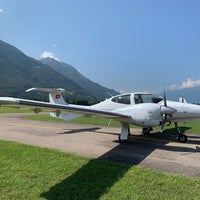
(127, 100)
(144, 108)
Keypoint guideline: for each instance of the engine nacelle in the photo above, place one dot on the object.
(146, 115)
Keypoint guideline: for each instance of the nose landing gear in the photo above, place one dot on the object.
(181, 137)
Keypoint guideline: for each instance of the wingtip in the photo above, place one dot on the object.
(31, 89)
(8, 100)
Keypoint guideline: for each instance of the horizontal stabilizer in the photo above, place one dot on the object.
(64, 115)
(50, 90)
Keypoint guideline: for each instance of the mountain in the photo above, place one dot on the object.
(70, 72)
(192, 95)
(20, 72)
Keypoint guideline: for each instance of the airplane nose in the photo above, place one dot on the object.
(167, 110)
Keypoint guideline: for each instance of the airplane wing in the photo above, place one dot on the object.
(51, 107)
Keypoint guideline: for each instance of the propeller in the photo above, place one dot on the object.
(164, 115)
(165, 110)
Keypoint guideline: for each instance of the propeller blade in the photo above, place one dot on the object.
(164, 95)
(165, 110)
(163, 122)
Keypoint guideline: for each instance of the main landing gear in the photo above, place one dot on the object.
(125, 132)
(146, 131)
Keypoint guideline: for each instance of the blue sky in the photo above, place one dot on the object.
(127, 45)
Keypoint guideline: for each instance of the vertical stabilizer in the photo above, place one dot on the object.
(55, 96)
(182, 100)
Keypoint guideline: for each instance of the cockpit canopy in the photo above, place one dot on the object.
(146, 98)
(124, 99)
(136, 98)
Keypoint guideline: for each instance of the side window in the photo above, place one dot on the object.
(138, 99)
(124, 99)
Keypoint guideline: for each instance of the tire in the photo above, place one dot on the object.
(122, 141)
(146, 131)
(182, 138)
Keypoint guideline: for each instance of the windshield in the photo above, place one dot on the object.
(146, 98)
(124, 99)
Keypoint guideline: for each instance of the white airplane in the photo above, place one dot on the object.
(139, 108)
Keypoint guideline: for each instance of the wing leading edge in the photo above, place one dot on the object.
(45, 106)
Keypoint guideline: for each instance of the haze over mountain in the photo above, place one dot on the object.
(192, 95)
(20, 72)
(70, 72)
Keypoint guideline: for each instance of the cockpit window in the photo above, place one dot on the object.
(156, 99)
(124, 99)
(138, 98)
(146, 98)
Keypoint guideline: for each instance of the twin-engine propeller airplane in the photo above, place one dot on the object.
(139, 108)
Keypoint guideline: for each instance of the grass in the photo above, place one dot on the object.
(82, 120)
(28, 172)
(4, 110)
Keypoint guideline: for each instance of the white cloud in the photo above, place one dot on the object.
(189, 83)
(1, 10)
(173, 87)
(47, 54)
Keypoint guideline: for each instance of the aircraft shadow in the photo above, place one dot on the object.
(72, 131)
(171, 135)
(92, 180)
(84, 183)
(140, 147)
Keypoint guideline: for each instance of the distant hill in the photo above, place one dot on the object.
(192, 95)
(70, 72)
(20, 72)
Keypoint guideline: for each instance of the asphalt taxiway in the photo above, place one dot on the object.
(156, 151)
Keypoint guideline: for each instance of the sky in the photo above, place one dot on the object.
(126, 45)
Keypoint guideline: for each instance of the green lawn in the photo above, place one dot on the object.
(28, 172)
(81, 120)
(4, 110)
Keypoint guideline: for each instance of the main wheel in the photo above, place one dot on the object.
(146, 131)
(122, 141)
(182, 138)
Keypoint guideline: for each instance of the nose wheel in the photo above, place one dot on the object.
(182, 138)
